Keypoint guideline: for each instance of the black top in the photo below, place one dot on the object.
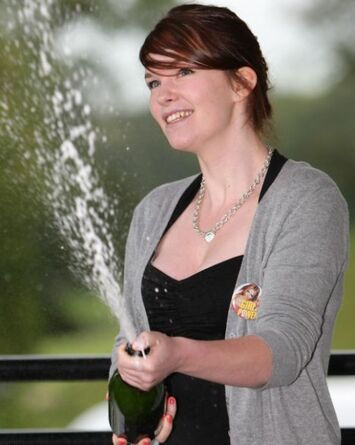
(196, 307)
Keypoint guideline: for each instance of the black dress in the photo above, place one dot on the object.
(196, 307)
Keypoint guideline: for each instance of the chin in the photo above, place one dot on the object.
(183, 148)
(181, 145)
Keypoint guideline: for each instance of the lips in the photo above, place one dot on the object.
(176, 116)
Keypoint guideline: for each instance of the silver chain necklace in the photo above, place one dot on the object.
(210, 234)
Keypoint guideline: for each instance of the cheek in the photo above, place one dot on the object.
(155, 111)
(152, 108)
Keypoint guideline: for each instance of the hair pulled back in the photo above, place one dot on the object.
(211, 37)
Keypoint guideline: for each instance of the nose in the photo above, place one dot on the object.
(167, 91)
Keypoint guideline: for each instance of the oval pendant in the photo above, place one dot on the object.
(209, 236)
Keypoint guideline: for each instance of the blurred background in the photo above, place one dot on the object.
(91, 48)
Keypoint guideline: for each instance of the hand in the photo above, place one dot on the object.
(146, 372)
(164, 428)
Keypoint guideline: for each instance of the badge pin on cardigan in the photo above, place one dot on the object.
(246, 301)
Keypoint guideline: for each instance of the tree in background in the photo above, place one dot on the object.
(319, 128)
(335, 20)
(35, 278)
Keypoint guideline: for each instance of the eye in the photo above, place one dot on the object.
(185, 72)
(153, 84)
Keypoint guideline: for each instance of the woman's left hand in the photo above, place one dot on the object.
(146, 372)
(164, 428)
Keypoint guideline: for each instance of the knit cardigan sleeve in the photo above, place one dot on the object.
(302, 274)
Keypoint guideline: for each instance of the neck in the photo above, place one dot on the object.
(230, 171)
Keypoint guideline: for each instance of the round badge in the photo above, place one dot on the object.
(246, 301)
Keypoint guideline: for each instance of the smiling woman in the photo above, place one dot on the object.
(183, 40)
(194, 106)
(252, 220)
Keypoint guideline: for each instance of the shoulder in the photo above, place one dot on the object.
(299, 183)
(299, 176)
(303, 201)
(164, 195)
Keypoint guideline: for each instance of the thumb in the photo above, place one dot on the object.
(142, 342)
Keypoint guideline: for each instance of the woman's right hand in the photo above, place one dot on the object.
(164, 428)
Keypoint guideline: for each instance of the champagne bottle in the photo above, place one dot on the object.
(137, 411)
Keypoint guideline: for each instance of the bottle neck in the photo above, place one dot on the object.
(133, 353)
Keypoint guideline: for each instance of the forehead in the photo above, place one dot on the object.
(153, 72)
(163, 65)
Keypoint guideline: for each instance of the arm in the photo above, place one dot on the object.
(165, 426)
(307, 261)
(247, 361)
(302, 281)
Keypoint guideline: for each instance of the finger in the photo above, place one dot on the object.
(106, 396)
(118, 440)
(137, 373)
(166, 428)
(142, 342)
(121, 350)
(132, 369)
(122, 346)
(145, 441)
(171, 406)
(166, 423)
(130, 363)
(139, 380)
(134, 377)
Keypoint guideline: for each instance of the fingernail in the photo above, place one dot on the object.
(121, 442)
(146, 442)
(171, 401)
(169, 418)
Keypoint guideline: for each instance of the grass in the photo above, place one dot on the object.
(56, 404)
(46, 405)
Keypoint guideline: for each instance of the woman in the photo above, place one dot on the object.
(252, 217)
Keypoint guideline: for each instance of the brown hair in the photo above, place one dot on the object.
(211, 37)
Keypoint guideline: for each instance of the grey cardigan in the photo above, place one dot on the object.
(297, 254)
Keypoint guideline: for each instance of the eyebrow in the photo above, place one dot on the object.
(147, 75)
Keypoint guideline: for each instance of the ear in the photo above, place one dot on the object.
(247, 83)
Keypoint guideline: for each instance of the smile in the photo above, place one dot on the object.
(177, 116)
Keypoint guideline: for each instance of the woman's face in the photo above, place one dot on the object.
(194, 108)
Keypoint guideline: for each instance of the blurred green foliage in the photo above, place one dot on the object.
(34, 273)
(44, 308)
(56, 404)
(320, 131)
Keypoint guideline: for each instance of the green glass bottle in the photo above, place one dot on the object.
(137, 412)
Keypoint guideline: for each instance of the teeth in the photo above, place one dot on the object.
(178, 115)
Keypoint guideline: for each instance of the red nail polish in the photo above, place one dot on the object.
(146, 442)
(171, 401)
(169, 418)
(121, 442)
